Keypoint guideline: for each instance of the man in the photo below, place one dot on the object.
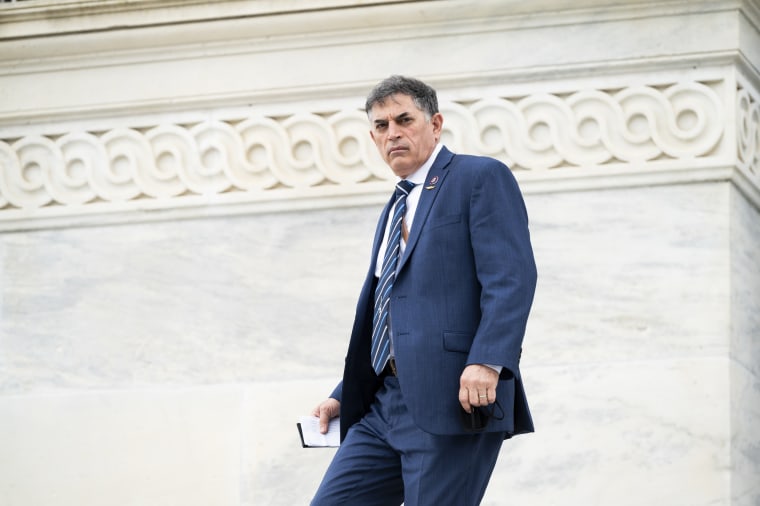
(432, 385)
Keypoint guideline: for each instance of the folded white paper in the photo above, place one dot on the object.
(308, 428)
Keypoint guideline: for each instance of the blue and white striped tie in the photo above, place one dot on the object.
(380, 339)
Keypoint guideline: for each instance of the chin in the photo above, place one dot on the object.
(401, 171)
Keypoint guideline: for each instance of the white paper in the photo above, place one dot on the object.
(312, 436)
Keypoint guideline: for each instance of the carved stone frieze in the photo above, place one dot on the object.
(594, 127)
(748, 134)
(254, 158)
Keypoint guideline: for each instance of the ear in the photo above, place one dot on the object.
(372, 135)
(437, 122)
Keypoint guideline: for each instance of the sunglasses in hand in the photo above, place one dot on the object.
(478, 417)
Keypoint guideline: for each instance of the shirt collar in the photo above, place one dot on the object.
(418, 177)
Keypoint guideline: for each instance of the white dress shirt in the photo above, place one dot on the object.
(418, 178)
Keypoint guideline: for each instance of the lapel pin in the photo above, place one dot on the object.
(432, 183)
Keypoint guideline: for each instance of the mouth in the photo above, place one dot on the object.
(395, 150)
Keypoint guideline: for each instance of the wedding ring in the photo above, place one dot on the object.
(482, 396)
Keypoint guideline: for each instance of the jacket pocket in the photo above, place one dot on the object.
(457, 341)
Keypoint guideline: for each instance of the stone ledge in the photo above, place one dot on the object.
(376, 194)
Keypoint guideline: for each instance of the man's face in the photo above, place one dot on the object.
(402, 134)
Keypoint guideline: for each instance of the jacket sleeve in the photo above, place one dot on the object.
(337, 392)
(504, 264)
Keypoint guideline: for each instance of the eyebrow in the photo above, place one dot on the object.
(398, 118)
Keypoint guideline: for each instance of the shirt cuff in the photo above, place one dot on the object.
(496, 368)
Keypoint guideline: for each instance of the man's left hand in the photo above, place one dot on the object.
(477, 386)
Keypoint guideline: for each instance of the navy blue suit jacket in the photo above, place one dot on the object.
(462, 295)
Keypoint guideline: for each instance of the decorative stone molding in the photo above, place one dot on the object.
(748, 134)
(593, 127)
(172, 161)
(308, 154)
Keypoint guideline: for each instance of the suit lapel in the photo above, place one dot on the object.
(380, 235)
(430, 189)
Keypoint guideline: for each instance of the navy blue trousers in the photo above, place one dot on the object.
(386, 460)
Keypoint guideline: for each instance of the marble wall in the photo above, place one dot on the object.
(628, 350)
(744, 354)
(167, 363)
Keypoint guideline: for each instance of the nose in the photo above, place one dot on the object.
(394, 132)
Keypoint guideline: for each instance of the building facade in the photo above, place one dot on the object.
(188, 193)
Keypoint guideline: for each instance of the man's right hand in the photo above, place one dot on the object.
(326, 411)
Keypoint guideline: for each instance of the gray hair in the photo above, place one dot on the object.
(423, 96)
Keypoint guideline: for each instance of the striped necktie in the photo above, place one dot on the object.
(380, 328)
